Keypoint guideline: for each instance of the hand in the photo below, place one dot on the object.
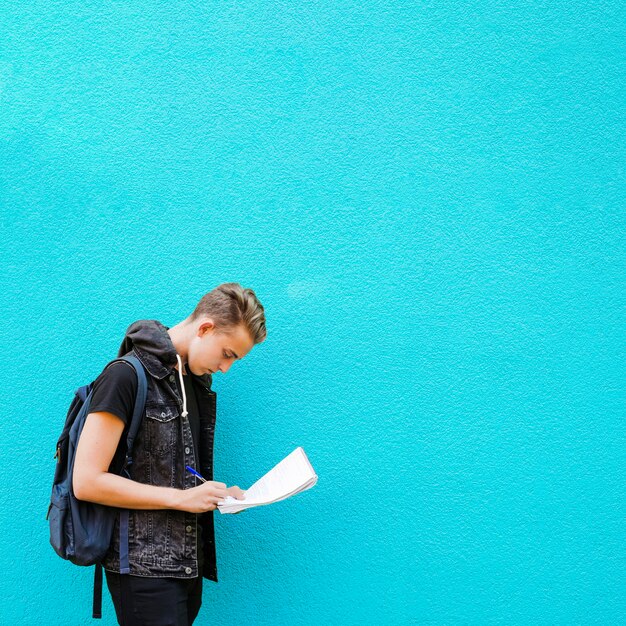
(204, 497)
(235, 492)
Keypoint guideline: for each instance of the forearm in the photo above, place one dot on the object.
(113, 490)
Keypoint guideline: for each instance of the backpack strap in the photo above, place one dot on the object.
(97, 592)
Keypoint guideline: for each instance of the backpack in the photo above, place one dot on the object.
(81, 531)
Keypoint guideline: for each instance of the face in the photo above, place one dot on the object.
(212, 351)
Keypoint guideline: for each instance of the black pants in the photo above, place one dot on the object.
(142, 601)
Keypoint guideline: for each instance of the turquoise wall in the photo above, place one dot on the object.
(428, 199)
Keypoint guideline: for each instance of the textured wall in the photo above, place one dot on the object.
(428, 199)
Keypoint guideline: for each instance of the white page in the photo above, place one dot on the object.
(293, 474)
(284, 478)
(232, 505)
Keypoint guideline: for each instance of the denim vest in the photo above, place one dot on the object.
(165, 542)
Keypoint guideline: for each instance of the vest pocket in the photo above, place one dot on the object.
(161, 428)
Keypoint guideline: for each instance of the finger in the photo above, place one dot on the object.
(211, 484)
(215, 489)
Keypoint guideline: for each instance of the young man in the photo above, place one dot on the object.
(171, 536)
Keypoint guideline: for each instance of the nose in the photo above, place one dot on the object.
(224, 367)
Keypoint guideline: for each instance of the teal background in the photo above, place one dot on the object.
(428, 198)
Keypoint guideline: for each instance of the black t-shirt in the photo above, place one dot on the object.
(115, 390)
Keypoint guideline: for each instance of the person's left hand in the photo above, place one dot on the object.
(235, 492)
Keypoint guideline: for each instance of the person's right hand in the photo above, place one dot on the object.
(202, 498)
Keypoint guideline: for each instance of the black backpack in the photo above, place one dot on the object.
(81, 531)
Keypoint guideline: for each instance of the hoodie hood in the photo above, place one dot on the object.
(150, 341)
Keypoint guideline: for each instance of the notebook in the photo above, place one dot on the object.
(291, 476)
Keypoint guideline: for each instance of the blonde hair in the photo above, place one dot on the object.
(230, 305)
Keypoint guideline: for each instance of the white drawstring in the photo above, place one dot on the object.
(182, 385)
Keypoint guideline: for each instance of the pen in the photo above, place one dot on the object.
(193, 471)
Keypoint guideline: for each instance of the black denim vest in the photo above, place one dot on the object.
(165, 542)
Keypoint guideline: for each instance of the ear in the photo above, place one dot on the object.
(207, 326)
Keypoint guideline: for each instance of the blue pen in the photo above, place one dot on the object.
(193, 471)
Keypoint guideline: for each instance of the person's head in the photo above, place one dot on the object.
(225, 325)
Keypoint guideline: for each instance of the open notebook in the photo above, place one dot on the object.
(292, 475)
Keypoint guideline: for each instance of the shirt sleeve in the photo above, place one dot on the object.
(114, 391)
